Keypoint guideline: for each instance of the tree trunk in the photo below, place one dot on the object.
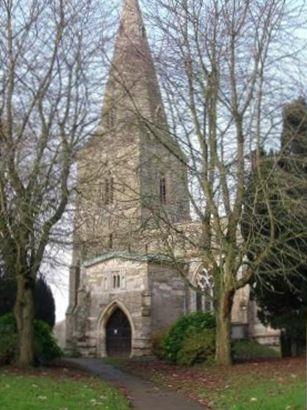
(285, 341)
(223, 329)
(24, 314)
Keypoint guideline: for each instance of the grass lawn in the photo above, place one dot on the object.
(259, 391)
(58, 389)
(266, 385)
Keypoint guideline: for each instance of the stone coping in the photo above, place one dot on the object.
(126, 256)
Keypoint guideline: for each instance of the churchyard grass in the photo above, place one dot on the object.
(58, 389)
(275, 384)
(259, 393)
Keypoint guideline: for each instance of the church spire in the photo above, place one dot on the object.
(131, 42)
(132, 78)
(131, 22)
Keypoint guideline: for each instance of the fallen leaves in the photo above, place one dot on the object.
(199, 383)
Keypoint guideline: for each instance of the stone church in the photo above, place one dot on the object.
(122, 290)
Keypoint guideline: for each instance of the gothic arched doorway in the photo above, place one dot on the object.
(118, 334)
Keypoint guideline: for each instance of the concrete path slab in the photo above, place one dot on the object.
(145, 394)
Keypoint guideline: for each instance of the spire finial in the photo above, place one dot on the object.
(131, 22)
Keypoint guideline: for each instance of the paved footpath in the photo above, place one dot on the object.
(145, 395)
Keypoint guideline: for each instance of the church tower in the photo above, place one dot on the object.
(131, 175)
(132, 171)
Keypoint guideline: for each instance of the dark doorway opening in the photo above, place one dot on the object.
(118, 335)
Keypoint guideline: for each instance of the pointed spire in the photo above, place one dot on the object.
(131, 23)
(131, 46)
(132, 71)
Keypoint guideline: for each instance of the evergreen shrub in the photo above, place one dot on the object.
(158, 340)
(184, 328)
(45, 346)
(8, 339)
(197, 347)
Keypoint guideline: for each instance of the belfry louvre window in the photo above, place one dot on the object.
(109, 191)
(111, 241)
(162, 190)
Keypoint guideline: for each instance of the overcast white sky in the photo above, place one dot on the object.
(56, 272)
(60, 293)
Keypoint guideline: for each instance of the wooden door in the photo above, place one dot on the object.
(118, 331)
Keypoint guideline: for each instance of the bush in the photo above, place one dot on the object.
(8, 339)
(43, 298)
(45, 347)
(7, 294)
(158, 343)
(244, 350)
(44, 302)
(197, 347)
(182, 329)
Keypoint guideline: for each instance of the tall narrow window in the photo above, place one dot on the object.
(208, 303)
(111, 241)
(123, 281)
(109, 191)
(105, 283)
(116, 281)
(77, 282)
(204, 299)
(163, 190)
(199, 302)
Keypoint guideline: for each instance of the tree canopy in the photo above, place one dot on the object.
(48, 100)
(43, 298)
(280, 286)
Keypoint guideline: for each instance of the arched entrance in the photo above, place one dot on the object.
(118, 334)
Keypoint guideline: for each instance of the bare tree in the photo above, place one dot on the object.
(226, 68)
(49, 75)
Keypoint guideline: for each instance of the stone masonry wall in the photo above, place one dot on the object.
(133, 298)
(168, 296)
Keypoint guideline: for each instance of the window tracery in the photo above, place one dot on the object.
(204, 282)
